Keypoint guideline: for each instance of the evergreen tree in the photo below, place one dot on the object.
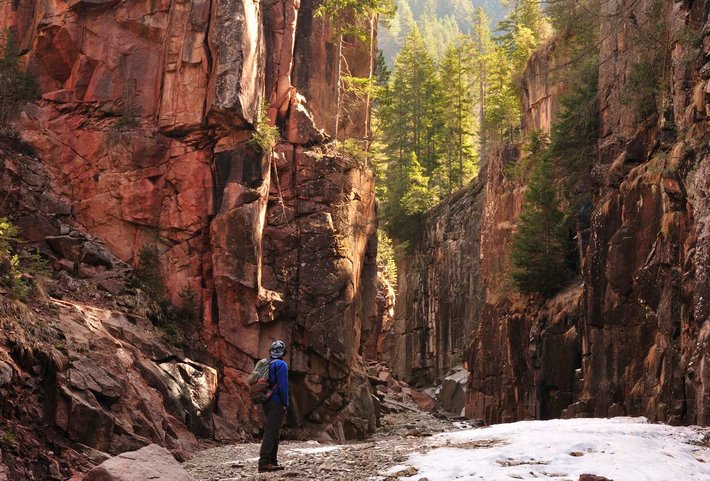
(438, 33)
(403, 23)
(418, 197)
(522, 30)
(502, 103)
(539, 248)
(575, 133)
(16, 87)
(408, 115)
(483, 64)
(459, 123)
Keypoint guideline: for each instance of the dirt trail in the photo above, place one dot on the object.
(402, 433)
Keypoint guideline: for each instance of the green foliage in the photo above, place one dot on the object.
(577, 18)
(575, 133)
(522, 30)
(539, 248)
(645, 82)
(386, 258)
(690, 41)
(19, 266)
(502, 104)
(148, 272)
(178, 322)
(265, 135)
(418, 197)
(459, 124)
(642, 87)
(409, 119)
(440, 21)
(7, 439)
(345, 14)
(16, 86)
(354, 151)
(531, 150)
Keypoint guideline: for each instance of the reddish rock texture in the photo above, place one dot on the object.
(143, 126)
(643, 332)
(631, 336)
(439, 290)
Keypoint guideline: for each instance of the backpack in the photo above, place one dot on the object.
(260, 388)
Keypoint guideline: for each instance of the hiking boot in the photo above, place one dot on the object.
(270, 467)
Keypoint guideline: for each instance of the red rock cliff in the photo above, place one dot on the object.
(145, 112)
(631, 335)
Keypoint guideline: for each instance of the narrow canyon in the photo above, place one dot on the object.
(143, 176)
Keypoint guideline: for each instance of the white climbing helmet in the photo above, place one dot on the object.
(278, 349)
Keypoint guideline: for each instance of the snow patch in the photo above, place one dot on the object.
(324, 449)
(622, 449)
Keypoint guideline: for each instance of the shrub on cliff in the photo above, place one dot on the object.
(540, 248)
(177, 321)
(19, 267)
(16, 86)
(265, 135)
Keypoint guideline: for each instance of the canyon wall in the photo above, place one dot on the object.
(439, 290)
(630, 335)
(144, 123)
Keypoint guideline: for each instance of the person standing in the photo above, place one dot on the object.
(274, 408)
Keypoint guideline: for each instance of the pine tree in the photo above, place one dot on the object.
(409, 115)
(540, 249)
(523, 29)
(459, 124)
(438, 33)
(16, 87)
(502, 104)
(483, 62)
(418, 197)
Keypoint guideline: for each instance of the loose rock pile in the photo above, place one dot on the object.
(392, 393)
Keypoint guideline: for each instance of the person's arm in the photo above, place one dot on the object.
(282, 382)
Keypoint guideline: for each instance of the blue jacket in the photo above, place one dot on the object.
(278, 376)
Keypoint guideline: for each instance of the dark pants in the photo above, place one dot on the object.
(274, 414)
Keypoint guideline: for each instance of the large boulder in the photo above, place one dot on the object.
(151, 462)
(452, 394)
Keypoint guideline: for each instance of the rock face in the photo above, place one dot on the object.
(630, 336)
(439, 290)
(143, 125)
(150, 462)
(645, 319)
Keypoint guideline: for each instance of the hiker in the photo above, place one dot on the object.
(274, 408)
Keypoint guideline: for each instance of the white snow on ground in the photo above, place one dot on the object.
(324, 449)
(622, 449)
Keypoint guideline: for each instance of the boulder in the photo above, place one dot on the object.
(452, 395)
(592, 477)
(151, 462)
(423, 401)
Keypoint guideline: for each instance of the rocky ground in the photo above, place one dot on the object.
(404, 430)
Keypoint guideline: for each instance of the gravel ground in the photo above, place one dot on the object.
(402, 433)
